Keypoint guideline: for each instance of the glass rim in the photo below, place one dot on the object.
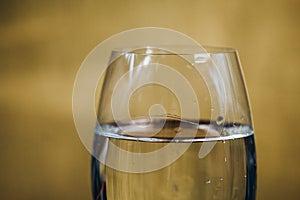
(174, 50)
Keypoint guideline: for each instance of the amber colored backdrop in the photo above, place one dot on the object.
(42, 45)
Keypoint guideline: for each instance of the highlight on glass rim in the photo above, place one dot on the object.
(165, 118)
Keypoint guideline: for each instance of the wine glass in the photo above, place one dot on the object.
(174, 122)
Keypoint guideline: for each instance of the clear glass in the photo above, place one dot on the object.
(174, 124)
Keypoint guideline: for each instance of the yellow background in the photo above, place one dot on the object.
(42, 45)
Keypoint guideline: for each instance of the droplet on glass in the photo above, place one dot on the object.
(220, 120)
(234, 124)
(201, 58)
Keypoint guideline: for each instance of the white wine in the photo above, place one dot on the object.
(150, 139)
(227, 171)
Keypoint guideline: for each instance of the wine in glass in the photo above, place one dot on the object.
(174, 123)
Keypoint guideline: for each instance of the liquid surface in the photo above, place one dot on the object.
(226, 169)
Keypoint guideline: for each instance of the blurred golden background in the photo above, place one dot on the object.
(43, 43)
